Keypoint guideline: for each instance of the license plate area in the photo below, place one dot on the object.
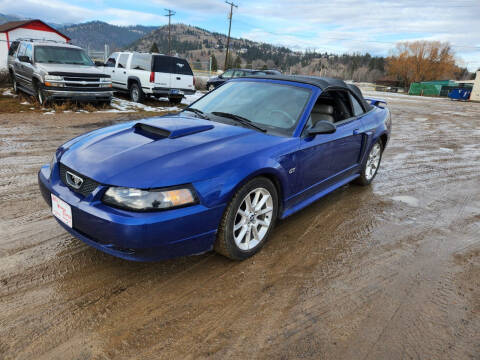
(176, 92)
(61, 210)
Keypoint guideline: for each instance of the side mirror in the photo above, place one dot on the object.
(24, 58)
(322, 127)
(99, 63)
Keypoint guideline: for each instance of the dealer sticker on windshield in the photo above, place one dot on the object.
(61, 210)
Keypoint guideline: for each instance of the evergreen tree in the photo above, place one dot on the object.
(154, 48)
(238, 63)
(214, 63)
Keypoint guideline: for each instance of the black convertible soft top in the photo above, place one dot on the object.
(324, 83)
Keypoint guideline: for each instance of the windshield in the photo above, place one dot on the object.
(274, 107)
(61, 55)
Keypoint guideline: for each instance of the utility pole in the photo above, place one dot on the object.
(229, 28)
(169, 15)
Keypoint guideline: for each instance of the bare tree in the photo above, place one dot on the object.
(422, 61)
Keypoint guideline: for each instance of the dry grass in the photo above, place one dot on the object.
(15, 104)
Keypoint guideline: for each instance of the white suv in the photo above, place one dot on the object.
(150, 74)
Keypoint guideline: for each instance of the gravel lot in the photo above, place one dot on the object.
(390, 271)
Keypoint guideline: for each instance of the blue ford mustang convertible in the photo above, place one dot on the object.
(220, 173)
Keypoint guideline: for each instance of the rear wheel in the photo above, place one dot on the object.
(371, 164)
(175, 100)
(136, 93)
(248, 220)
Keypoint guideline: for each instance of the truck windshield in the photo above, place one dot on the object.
(61, 55)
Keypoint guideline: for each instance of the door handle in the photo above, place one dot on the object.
(124, 72)
(113, 71)
(356, 131)
(178, 78)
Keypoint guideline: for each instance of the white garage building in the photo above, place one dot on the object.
(25, 29)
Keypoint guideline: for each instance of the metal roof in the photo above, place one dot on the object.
(12, 25)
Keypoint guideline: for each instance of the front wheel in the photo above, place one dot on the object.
(40, 95)
(14, 84)
(371, 164)
(248, 220)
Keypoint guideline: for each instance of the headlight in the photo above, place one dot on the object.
(53, 78)
(53, 162)
(148, 200)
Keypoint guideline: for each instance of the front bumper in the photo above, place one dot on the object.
(79, 95)
(129, 235)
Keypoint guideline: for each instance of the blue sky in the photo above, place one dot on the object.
(332, 26)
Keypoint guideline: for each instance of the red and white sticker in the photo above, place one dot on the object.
(61, 210)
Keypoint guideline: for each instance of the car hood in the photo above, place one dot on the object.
(165, 151)
(69, 68)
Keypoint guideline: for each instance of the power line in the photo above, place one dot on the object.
(229, 29)
(169, 15)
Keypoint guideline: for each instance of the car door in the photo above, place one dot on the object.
(109, 66)
(18, 66)
(119, 76)
(28, 66)
(327, 159)
(181, 75)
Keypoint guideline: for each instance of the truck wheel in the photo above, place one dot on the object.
(136, 93)
(39, 94)
(14, 83)
(175, 100)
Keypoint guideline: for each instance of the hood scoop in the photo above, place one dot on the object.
(156, 132)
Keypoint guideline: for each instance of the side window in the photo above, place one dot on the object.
(29, 51)
(239, 73)
(357, 108)
(181, 67)
(228, 74)
(110, 62)
(141, 62)
(122, 61)
(21, 51)
(13, 48)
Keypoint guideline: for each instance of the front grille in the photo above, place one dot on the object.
(81, 78)
(88, 185)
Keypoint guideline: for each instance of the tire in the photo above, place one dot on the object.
(14, 83)
(136, 93)
(175, 100)
(230, 242)
(371, 164)
(211, 87)
(39, 94)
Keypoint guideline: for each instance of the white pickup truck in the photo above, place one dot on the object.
(143, 74)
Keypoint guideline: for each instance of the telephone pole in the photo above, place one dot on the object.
(229, 28)
(169, 15)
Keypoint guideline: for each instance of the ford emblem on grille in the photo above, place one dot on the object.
(73, 180)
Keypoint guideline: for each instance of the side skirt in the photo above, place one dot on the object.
(315, 197)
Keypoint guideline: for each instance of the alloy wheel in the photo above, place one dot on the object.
(135, 94)
(253, 219)
(373, 161)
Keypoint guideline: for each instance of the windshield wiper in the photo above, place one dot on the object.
(198, 112)
(240, 119)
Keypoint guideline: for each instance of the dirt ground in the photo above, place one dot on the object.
(390, 271)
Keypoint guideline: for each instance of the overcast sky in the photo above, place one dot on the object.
(332, 26)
